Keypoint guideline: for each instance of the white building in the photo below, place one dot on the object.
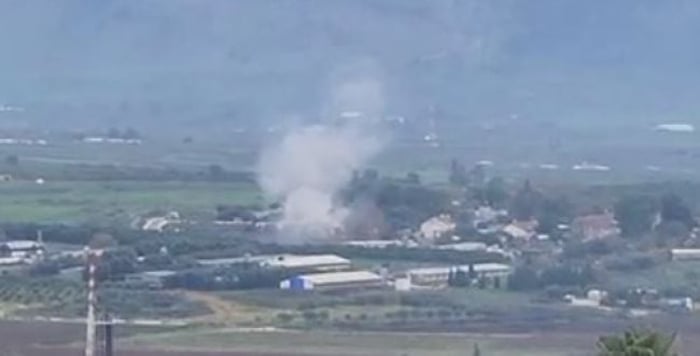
(319, 263)
(334, 280)
(685, 254)
(159, 223)
(381, 243)
(586, 166)
(675, 127)
(464, 246)
(517, 232)
(23, 249)
(439, 276)
(437, 226)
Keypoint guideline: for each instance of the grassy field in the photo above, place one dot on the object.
(79, 201)
(675, 275)
(356, 344)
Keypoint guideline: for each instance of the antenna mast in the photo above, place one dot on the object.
(92, 257)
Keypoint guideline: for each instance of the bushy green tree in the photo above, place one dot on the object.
(526, 203)
(635, 214)
(673, 208)
(637, 343)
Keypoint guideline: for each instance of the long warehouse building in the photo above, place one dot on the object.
(334, 280)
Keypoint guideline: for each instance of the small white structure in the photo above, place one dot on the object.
(11, 261)
(437, 226)
(675, 127)
(22, 141)
(159, 223)
(517, 232)
(464, 246)
(380, 243)
(402, 284)
(110, 140)
(487, 214)
(549, 166)
(677, 304)
(586, 166)
(685, 254)
(596, 295)
(334, 280)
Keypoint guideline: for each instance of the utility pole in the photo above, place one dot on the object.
(92, 257)
(108, 337)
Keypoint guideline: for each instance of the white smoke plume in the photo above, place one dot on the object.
(308, 167)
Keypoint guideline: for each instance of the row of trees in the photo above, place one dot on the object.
(239, 276)
(638, 215)
(401, 202)
(565, 275)
(633, 342)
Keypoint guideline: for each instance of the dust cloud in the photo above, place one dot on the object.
(310, 165)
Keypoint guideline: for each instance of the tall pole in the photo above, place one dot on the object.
(109, 345)
(90, 322)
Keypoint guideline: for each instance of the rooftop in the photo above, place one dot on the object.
(341, 277)
(295, 261)
(478, 267)
(234, 260)
(22, 244)
(6, 261)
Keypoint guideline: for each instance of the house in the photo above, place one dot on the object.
(486, 215)
(334, 281)
(494, 274)
(521, 230)
(24, 249)
(595, 226)
(685, 254)
(594, 298)
(677, 305)
(437, 227)
(151, 279)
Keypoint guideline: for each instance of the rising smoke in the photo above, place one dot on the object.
(309, 166)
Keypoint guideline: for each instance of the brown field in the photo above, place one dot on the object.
(54, 339)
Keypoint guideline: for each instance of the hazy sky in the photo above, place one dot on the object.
(251, 57)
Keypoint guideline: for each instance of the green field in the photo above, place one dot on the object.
(77, 201)
(672, 276)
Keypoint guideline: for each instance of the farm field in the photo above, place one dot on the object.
(43, 339)
(351, 344)
(78, 201)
